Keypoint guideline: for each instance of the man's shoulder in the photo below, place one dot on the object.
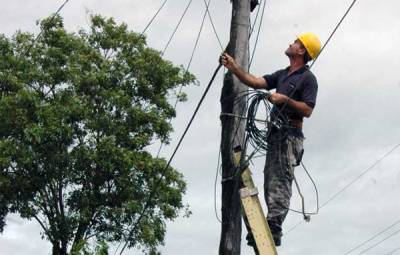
(310, 77)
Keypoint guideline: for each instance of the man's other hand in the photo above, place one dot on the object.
(277, 98)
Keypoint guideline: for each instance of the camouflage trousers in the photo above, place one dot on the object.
(282, 157)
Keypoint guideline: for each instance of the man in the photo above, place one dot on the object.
(295, 98)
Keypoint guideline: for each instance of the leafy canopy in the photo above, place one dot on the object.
(77, 111)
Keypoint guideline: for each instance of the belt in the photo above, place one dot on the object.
(296, 123)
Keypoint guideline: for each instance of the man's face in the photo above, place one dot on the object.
(295, 49)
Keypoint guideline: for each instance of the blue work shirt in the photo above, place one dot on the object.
(300, 85)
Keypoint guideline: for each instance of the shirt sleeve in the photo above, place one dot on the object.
(272, 79)
(309, 91)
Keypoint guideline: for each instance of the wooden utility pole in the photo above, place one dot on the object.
(233, 129)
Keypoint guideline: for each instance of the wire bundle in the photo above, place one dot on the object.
(260, 138)
(257, 137)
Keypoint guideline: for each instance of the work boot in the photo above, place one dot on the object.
(251, 242)
(277, 240)
(250, 239)
(276, 231)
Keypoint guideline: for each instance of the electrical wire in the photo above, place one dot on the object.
(40, 33)
(212, 24)
(215, 185)
(373, 237)
(351, 183)
(172, 156)
(188, 65)
(258, 32)
(334, 31)
(176, 27)
(376, 244)
(154, 16)
(393, 251)
(255, 19)
(361, 175)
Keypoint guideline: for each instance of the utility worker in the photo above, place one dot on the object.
(295, 98)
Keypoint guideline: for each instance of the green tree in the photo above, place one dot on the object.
(77, 112)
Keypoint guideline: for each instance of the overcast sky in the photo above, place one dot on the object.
(355, 122)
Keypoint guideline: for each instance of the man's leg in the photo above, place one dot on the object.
(278, 177)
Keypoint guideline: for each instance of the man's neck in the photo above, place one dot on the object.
(295, 64)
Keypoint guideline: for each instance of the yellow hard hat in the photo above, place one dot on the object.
(311, 43)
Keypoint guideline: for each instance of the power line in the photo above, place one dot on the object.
(255, 20)
(258, 32)
(190, 122)
(212, 24)
(40, 33)
(383, 240)
(176, 27)
(154, 16)
(172, 156)
(334, 31)
(350, 183)
(393, 251)
(361, 175)
(370, 239)
(189, 63)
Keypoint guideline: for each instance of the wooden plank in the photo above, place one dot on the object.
(258, 224)
(254, 213)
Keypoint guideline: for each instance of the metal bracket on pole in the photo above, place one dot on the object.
(254, 213)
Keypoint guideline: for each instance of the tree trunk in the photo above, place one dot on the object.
(233, 130)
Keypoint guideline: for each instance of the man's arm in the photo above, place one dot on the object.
(245, 77)
(301, 107)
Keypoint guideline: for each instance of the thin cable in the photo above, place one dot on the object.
(351, 183)
(393, 251)
(212, 24)
(40, 33)
(215, 186)
(258, 32)
(176, 27)
(172, 156)
(334, 31)
(255, 19)
(361, 175)
(187, 67)
(315, 187)
(373, 246)
(154, 16)
(370, 239)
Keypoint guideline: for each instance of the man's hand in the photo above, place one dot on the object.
(227, 61)
(277, 98)
(248, 79)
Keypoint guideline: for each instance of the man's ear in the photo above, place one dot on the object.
(302, 51)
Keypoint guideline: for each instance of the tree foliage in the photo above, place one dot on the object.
(77, 111)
